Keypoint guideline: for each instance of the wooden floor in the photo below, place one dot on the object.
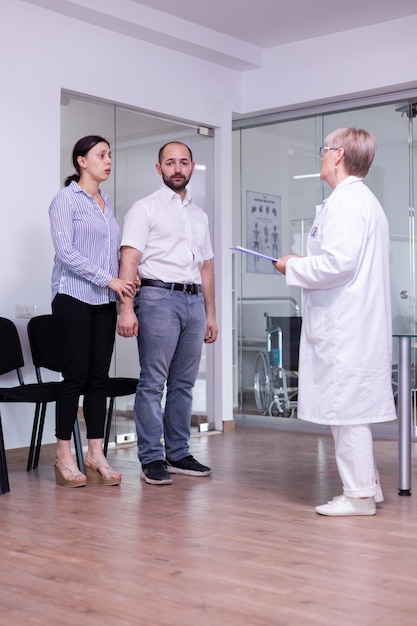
(241, 548)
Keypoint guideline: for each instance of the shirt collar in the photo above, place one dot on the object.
(77, 189)
(348, 180)
(170, 194)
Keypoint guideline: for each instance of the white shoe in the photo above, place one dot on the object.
(378, 497)
(335, 498)
(343, 506)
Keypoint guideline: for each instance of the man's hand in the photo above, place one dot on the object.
(211, 331)
(127, 324)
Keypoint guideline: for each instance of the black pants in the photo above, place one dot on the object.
(87, 337)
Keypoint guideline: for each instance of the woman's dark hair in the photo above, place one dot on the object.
(80, 149)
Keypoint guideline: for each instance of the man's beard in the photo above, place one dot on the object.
(176, 185)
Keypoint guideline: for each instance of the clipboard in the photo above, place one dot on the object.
(258, 254)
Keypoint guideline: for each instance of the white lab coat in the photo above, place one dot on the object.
(345, 348)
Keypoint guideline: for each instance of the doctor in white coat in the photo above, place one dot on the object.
(345, 347)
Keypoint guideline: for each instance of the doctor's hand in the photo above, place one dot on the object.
(281, 264)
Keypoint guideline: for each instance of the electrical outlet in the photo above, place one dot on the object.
(25, 310)
(127, 438)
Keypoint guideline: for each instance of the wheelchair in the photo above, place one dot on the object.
(276, 369)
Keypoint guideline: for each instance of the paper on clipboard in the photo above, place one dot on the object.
(259, 254)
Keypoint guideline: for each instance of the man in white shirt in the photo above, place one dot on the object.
(166, 241)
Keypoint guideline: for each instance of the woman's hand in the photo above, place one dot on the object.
(123, 288)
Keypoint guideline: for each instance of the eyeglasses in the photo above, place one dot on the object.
(324, 149)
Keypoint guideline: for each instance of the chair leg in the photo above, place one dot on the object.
(4, 477)
(108, 426)
(33, 437)
(39, 439)
(78, 445)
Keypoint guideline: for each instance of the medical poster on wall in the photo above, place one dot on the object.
(263, 230)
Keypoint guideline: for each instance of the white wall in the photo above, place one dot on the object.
(42, 52)
(373, 59)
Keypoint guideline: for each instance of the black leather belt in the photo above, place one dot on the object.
(190, 288)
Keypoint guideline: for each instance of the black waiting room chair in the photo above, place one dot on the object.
(11, 360)
(45, 347)
(46, 354)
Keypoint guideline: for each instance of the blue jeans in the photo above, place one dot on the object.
(172, 327)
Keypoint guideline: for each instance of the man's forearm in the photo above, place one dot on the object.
(207, 284)
(129, 261)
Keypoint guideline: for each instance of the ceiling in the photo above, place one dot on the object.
(232, 33)
(267, 23)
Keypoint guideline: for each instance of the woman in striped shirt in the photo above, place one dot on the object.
(85, 288)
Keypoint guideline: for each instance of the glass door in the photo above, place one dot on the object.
(275, 199)
(135, 138)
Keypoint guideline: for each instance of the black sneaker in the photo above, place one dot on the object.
(188, 465)
(155, 473)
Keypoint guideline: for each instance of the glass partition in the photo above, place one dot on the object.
(279, 168)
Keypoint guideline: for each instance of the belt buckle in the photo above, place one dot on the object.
(189, 289)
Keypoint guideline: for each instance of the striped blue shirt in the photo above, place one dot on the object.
(86, 242)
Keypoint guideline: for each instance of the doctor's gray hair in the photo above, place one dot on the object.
(359, 149)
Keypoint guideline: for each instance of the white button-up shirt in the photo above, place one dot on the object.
(173, 236)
